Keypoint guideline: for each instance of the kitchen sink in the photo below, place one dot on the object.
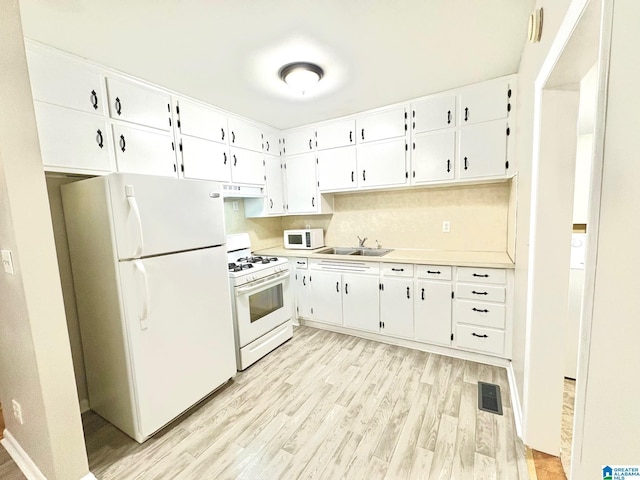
(365, 252)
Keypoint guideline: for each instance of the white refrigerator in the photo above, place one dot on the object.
(150, 274)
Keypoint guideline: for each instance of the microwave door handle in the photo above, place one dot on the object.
(261, 284)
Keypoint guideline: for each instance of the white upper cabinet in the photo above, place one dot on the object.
(244, 135)
(302, 190)
(137, 103)
(300, 141)
(204, 159)
(275, 185)
(64, 81)
(483, 150)
(486, 101)
(382, 163)
(382, 125)
(73, 141)
(433, 156)
(271, 144)
(336, 134)
(247, 166)
(433, 114)
(144, 151)
(337, 169)
(199, 121)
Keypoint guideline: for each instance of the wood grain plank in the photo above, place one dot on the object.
(444, 449)
(463, 458)
(484, 468)
(431, 423)
(421, 466)
(485, 432)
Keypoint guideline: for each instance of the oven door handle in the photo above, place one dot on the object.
(262, 283)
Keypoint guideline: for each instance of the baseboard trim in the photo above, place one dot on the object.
(515, 399)
(23, 461)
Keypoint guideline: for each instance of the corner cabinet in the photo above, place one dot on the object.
(461, 308)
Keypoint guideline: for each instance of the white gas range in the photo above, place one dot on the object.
(261, 300)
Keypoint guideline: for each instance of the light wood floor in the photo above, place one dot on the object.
(326, 405)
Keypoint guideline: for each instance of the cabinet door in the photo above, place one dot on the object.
(432, 304)
(337, 134)
(247, 166)
(383, 125)
(302, 190)
(275, 185)
(382, 163)
(326, 297)
(337, 169)
(485, 101)
(396, 307)
(300, 141)
(65, 82)
(139, 104)
(70, 139)
(483, 150)
(199, 121)
(433, 114)
(360, 302)
(205, 160)
(271, 144)
(244, 135)
(303, 300)
(433, 156)
(144, 151)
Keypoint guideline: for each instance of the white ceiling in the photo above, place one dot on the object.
(228, 52)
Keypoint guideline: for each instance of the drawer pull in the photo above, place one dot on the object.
(479, 310)
(300, 263)
(479, 293)
(433, 273)
(479, 336)
(397, 269)
(481, 276)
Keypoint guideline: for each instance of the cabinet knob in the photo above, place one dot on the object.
(225, 157)
(423, 294)
(313, 201)
(99, 139)
(364, 175)
(123, 143)
(466, 163)
(338, 287)
(94, 99)
(118, 106)
(222, 131)
(448, 165)
(346, 288)
(466, 114)
(233, 136)
(235, 160)
(363, 134)
(408, 292)
(449, 117)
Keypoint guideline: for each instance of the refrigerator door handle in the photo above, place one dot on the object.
(133, 205)
(144, 316)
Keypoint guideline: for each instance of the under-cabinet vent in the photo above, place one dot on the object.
(489, 398)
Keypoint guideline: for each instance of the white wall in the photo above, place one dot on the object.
(35, 358)
(610, 422)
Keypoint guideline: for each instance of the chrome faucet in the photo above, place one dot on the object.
(361, 240)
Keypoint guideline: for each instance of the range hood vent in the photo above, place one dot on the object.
(242, 191)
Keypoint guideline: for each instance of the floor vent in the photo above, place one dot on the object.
(489, 398)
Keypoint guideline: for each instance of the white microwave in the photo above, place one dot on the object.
(304, 239)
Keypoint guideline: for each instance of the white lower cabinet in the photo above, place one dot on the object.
(71, 140)
(302, 287)
(326, 297)
(396, 306)
(360, 307)
(432, 316)
(430, 304)
(144, 151)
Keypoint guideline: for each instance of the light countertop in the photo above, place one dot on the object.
(426, 257)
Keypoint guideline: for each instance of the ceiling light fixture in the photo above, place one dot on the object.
(301, 76)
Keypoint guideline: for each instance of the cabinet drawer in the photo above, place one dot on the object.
(479, 313)
(488, 293)
(299, 263)
(483, 275)
(480, 339)
(397, 269)
(436, 272)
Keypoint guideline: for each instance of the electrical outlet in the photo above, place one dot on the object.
(17, 412)
(235, 206)
(7, 261)
(446, 226)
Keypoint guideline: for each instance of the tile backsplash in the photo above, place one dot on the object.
(411, 218)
